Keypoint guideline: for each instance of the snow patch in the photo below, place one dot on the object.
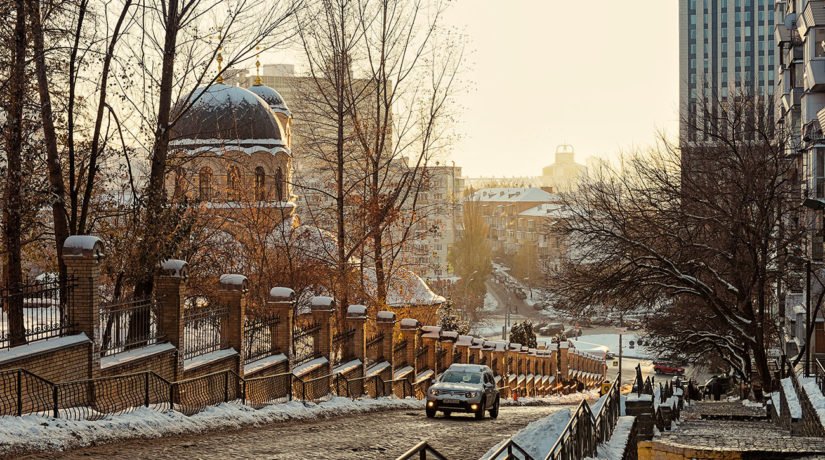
(357, 311)
(539, 436)
(131, 355)
(309, 366)
(403, 372)
(263, 363)
(42, 346)
(815, 396)
(615, 447)
(82, 242)
(282, 293)
(347, 367)
(233, 280)
(378, 368)
(198, 361)
(794, 407)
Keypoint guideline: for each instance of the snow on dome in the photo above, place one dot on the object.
(357, 311)
(404, 288)
(174, 267)
(464, 340)
(409, 323)
(224, 116)
(386, 317)
(281, 293)
(449, 335)
(271, 97)
(321, 302)
(83, 245)
(430, 332)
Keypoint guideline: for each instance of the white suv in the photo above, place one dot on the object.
(464, 388)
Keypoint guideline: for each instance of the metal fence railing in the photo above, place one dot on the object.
(399, 353)
(39, 309)
(343, 349)
(202, 328)
(374, 350)
(819, 369)
(260, 335)
(578, 439)
(127, 324)
(303, 342)
(422, 451)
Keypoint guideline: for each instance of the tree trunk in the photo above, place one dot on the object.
(13, 209)
(58, 188)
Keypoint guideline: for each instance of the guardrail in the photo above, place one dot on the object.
(578, 439)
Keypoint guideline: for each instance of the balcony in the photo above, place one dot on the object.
(812, 16)
(792, 99)
(815, 75)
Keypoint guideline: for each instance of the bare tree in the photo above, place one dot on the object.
(689, 234)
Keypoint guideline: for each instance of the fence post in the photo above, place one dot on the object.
(289, 382)
(146, 389)
(82, 254)
(282, 301)
(225, 386)
(54, 400)
(170, 287)
(19, 392)
(232, 294)
(386, 323)
(322, 310)
(357, 318)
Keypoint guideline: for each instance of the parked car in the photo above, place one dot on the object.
(609, 355)
(464, 388)
(666, 368)
(552, 329)
(726, 383)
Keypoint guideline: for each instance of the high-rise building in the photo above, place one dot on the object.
(726, 48)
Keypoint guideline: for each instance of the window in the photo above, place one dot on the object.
(260, 184)
(279, 184)
(205, 184)
(819, 42)
(233, 183)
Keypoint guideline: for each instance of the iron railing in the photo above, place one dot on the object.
(303, 342)
(422, 451)
(272, 389)
(26, 393)
(374, 350)
(260, 335)
(128, 324)
(510, 450)
(342, 346)
(578, 439)
(202, 328)
(609, 413)
(44, 309)
(819, 369)
(399, 352)
(190, 396)
(93, 399)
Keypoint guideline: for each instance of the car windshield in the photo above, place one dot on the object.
(461, 377)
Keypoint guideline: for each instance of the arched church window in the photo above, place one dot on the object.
(205, 184)
(279, 184)
(233, 183)
(260, 184)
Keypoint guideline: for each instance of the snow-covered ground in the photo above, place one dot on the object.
(610, 342)
(30, 433)
(538, 437)
(490, 303)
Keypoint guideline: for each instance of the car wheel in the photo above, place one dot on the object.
(430, 412)
(494, 410)
(480, 413)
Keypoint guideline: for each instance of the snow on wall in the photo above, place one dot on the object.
(132, 355)
(309, 366)
(346, 367)
(41, 346)
(378, 368)
(794, 407)
(815, 396)
(263, 363)
(198, 361)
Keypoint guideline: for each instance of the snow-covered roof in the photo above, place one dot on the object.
(357, 311)
(404, 288)
(514, 194)
(271, 97)
(281, 294)
(554, 210)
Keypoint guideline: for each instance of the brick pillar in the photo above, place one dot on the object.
(447, 340)
(563, 362)
(82, 254)
(409, 332)
(357, 319)
(429, 358)
(282, 302)
(386, 323)
(323, 309)
(232, 294)
(170, 291)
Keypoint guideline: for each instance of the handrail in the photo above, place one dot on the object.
(571, 429)
(421, 450)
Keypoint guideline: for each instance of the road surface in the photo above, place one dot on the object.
(378, 435)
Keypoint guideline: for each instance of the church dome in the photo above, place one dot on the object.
(272, 97)
(222, 116)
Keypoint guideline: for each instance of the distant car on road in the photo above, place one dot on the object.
(464, 388)
(666, 368)
(551, 329)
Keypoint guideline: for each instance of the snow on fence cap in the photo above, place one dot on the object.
(515, 346)
(175, 268)
(357, 312)
(449, 336)
(464, 340)
(524, 349)
(408, 324)
(430, 332)
(385, 317)
(488, 345)
(322, 303)
(234, 282)
(500, 346)
(83, 246)
(478, 342)
(281, 294)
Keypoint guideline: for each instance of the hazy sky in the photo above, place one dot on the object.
(602, 75)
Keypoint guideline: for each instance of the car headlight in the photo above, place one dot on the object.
(471, 394)
(433, 392)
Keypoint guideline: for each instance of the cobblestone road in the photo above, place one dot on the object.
(381, 435)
